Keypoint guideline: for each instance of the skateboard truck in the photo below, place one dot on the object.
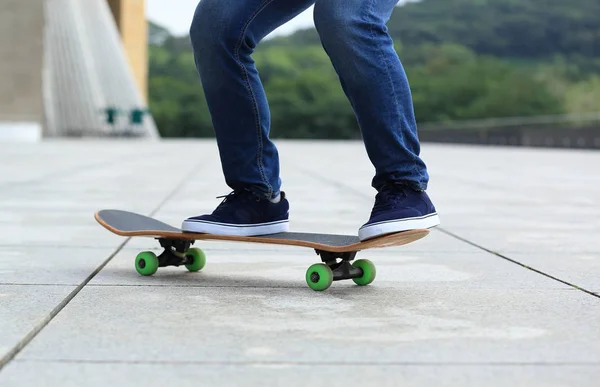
(342, 270)
(176, 252)
(320, 276)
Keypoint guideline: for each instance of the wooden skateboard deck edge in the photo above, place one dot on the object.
(389, 240)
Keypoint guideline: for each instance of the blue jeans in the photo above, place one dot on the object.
(224, 34)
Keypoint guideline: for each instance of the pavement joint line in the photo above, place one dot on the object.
(65, 246)
(267, 286)
(198, 286)
(290, 287)
(315, 363)
(32, 284)
(445, 231)
(519, 263)
(13, 352)
(57, 309)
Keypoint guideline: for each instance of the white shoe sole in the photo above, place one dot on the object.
(391, 226)
(206, 227)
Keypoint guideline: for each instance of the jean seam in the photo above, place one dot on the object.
(257, 122)
(387, 71)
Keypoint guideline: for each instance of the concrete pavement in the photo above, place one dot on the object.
(505, 292)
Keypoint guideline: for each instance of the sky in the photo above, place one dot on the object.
(176, 16)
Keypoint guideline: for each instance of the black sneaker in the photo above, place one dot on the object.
(242, 213)
(399, 208)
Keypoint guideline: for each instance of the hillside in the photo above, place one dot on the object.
(504, 28)
(466, 59)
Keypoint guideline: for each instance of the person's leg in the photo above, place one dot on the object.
(224, 34)
(354, 34)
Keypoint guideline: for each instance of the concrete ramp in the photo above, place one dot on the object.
(87, 71)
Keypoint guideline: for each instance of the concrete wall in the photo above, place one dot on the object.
(130, 16)
(21, 61)
(584, 137)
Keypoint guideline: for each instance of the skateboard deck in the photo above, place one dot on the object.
(336, 250)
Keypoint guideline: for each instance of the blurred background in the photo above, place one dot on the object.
(513, 72)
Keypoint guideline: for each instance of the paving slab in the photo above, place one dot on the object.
(325, 374)
(48, 237)
(442, 310)
(43, 265)
(56, 208)
(23, 308)
(540, 206)
(410, 323)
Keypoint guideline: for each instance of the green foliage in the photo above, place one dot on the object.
(305, 97)
(461, 87)
(311, 105)
(465, 59)
(584, 97)
(177, 100)
(506, 28)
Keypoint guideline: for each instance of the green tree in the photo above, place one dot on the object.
(507, 28)
(466, 59)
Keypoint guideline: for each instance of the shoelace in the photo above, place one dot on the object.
(232, 197)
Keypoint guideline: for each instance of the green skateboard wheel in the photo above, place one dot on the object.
(319, 276)
(197, 259)
(146, 263)
(368, 269)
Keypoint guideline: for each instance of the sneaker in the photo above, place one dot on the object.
(399, 208)
(242, 213)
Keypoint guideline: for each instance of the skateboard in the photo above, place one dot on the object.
(336, 251)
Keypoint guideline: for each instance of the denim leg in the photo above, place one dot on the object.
(224, 34)
(354, 35)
